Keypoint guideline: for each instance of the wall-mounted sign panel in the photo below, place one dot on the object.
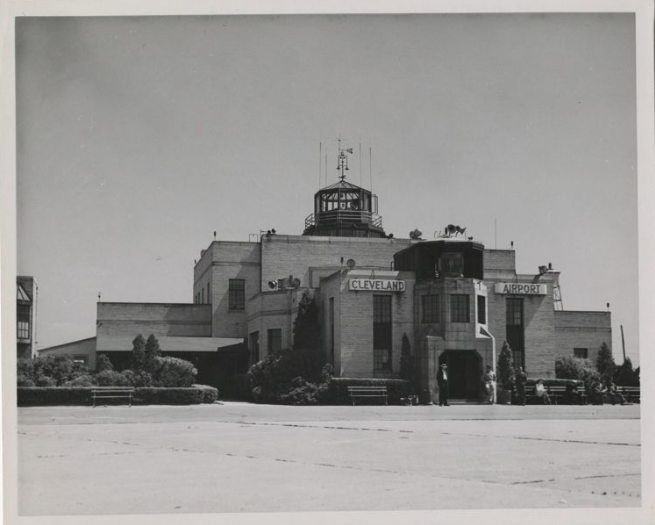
(521, 288)
(376, 285)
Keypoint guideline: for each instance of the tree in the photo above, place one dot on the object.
(605, 363)
(625, 375)
(505, 372)
(138, 357)
(505, 369)
(151, 352)
(103, 363)
(306, 335)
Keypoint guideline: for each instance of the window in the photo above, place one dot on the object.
(430, 308)
(331, 323)
(81, 359)
(237, 294)
(514, 330)
(253, 345)
(482, 309)
(202, 296)
(23, 320)
(274, 340)
(459, 308)
(209, 300)
(382, 333)
(451, 264)
(581, 352)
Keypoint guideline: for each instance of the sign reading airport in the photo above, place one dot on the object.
(376, 285)
(521, 288)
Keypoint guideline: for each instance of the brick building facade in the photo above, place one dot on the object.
(451, 299)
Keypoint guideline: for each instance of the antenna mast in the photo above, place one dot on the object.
(370, 166)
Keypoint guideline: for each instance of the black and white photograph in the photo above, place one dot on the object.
(327, 262)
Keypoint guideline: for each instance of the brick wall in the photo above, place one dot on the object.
(581, 330)
(229, 260)
(354, 323)
(284, 255)
(121, 320)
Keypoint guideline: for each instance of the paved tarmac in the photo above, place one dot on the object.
(239, 457)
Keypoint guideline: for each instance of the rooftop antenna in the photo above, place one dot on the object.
(360, 162)
(370, 165)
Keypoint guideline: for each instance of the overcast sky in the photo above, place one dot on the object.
(139, 137)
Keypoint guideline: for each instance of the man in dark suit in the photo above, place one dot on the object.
(442, 382)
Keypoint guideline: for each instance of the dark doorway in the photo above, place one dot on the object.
(464, 373)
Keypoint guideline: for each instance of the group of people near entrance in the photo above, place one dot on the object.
(490, 386)
(599, 394)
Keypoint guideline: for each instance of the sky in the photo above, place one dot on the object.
(139, 137)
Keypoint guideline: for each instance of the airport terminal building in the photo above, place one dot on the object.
(454, 300)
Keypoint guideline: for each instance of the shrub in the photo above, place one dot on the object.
(570, 367)
(173, 372)
(138, 379)
(111, 378)
(168, 396)
(209, 393)
(45, 381)
(83, 380)
(23, 380)
(625, 375)
(51, 396)
(273, 376)
(25, 368)
(103, 363)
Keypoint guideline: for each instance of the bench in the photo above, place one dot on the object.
(556, 393)
(367, 391)
(581, 394)
(632, 394)
(112, 392)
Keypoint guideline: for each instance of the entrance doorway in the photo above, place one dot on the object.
(464, 373)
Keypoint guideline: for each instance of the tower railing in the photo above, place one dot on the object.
(341, 216)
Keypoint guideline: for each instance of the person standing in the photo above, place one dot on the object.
(489, 379)
(521, 378)
(442, 382)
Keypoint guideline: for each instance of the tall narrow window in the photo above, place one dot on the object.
(23, 318)
(514, 328)
(202, 296)
(482, 309)
(459, 308)
(237, 294)
(274, 340)
(382, 343)
(253, 343)
(209, 299)
(430, 308)
(331, 323)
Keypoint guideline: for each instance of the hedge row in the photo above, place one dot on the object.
(396, 388)
(52, 396)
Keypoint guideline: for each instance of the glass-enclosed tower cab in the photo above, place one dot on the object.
(344, 209)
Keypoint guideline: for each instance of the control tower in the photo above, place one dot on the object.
(344, 209)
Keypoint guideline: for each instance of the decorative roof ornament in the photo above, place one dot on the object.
(452, 230)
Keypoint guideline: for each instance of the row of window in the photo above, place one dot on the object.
(236, 295)
(459, 309)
